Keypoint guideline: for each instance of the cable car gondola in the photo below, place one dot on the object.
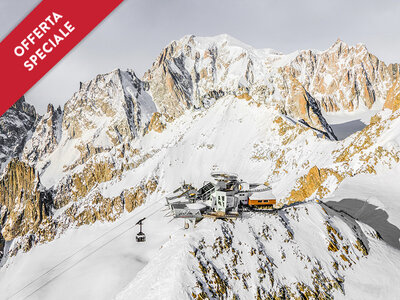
(140, 237)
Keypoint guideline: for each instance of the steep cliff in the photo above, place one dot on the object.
(16, 127)
(24, 203)
(45, 137)
(393, 97)
(344, 77)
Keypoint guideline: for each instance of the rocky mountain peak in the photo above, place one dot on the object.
(344, 78)
(339, 45)
(22, 106)
(106, 113)
(112, 106)
(16, 126)
(195, 71)
(50, 108)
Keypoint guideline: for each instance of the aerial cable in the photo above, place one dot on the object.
(83, 258)
(84, 247)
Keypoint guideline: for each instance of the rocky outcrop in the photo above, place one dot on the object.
(301, 105)
(24, 203)
(393, 97)
(26, 206)
(156, 123)
(312, 184)
(98, 208)
(46, 136)
(171, 85)
(92, 174)
(16, 126)
(135, 197)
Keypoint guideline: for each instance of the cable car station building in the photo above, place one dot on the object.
(221, 199)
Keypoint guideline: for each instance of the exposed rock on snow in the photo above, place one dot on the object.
(393, 97)
(304, 251)
(192, 70)
(16, 126)
(46, 136)
(117, 100)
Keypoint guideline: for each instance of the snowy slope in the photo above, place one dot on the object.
(374, 200)
(268, 255)
(92, 262)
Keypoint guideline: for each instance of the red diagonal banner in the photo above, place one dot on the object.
(42, 39)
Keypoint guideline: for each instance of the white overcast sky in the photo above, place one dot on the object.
(135, 33)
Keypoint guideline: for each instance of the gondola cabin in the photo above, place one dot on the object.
(140, 237)
(265, 200)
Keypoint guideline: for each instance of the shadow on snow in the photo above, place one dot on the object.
(371, 215)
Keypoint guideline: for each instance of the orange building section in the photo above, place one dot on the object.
(262, 202)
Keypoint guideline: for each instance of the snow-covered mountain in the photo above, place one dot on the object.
(121, 144)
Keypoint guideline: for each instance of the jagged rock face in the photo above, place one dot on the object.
(157, 123)
(194, 71)
(393, 97)
(16, 126)
(344, 77)
(312, 184)
(24, 204)
(92, 175)
(109, 110)
(171, 83)
(304, 107)
(46, 136)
